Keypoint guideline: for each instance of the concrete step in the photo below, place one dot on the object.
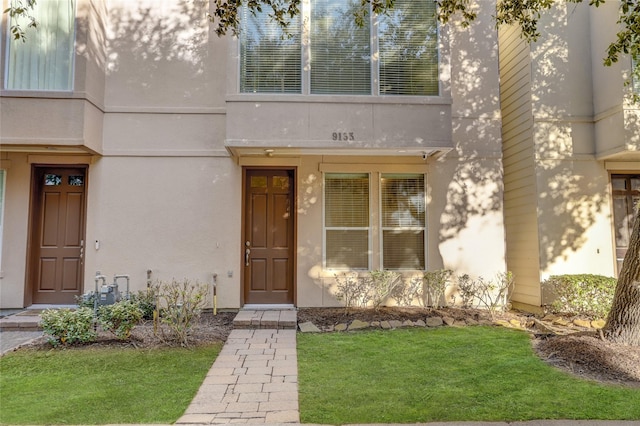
(279, 319)
(21, 322)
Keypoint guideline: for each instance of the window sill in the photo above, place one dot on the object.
(53, 94)
(346, 99)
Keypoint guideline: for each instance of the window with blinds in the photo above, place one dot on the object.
(270, 60)
(45, 60)
(408, 49)
(401, 47)
(346, 221)
(340, 49)
(403, 211)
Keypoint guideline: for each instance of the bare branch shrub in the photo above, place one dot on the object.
(351, 289)
(407, 291)
(495, 295)
(181, 305)
(435, 284)
(465, 294)
(380, 284)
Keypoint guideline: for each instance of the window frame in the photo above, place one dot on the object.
(384, 228)
(325, 228)
(306, 64)
(376, 229)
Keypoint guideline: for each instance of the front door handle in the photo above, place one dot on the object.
(247, 252)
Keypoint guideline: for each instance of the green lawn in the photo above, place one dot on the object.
(98, 386)
(444, 374)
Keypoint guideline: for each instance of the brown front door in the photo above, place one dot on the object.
(57, 242)
(268, 236)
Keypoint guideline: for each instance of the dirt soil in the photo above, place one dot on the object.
(581, 353)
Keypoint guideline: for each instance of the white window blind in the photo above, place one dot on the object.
(340, 49)
(45, 60)
(346, 200)
(340, 52)
(408, 48)
(403, 211)
(270, 61)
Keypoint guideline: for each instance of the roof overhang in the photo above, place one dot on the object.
(288, 151)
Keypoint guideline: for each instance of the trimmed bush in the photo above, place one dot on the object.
(120, 318)
(583, 294)
(66, 326)
(146, 300)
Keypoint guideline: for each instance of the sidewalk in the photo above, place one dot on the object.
(254, 379)
(18, 327)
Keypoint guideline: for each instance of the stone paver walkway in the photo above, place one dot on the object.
(254, 379)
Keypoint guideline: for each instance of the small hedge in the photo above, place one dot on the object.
(581, 294)
(67, 326)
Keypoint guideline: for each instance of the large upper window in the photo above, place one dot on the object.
(44, 61)
(391, 54)
(348, 223)
(269, 59)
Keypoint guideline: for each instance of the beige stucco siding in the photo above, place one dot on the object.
(174, 216)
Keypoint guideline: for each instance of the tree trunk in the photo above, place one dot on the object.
(623, 322)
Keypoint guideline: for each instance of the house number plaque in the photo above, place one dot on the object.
(343, 136)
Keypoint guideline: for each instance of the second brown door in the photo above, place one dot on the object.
(57, 244)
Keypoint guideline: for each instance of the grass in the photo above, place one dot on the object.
(100, 386)
(444, 374)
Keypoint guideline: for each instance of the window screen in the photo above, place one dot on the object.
(270, 61)
(346, 198)
(403, 211)
(45, 60)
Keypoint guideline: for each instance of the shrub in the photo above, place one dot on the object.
(351, 289)
(146, 301)
(182, 303)
(86, 300)
(120, 318)
(406, 292)
(67, 327)
(466, 291)
(435, 283)
(495, 295)
(581, 294)
(380, 284)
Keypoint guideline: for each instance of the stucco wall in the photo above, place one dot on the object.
(174, 216)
